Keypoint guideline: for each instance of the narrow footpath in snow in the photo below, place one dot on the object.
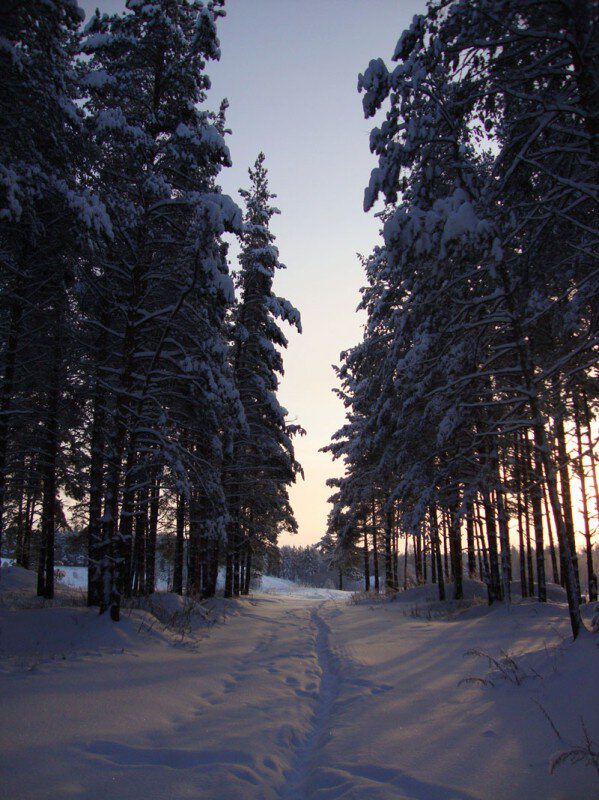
(320, 731)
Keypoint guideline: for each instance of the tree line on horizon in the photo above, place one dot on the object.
(471, 400)
(138, 374)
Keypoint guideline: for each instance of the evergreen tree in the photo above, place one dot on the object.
(161, 279)
(262, 462)
(45, 218)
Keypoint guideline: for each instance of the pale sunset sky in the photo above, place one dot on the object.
(289, 69)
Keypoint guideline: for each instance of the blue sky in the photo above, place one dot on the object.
(289, 69)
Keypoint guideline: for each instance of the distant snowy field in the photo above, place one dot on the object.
(76, 578)
(271, 585)
(293, 694)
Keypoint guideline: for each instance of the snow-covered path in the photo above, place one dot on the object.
(293, 697)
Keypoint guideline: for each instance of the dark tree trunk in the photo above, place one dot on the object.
(194, 556)
(237, 562)
(484, 558)
(568, 516)
(228, 573)
(248, 569)
(529, 559)
(534, 482)
(375, 550)
(124, 571)
(152, 536)
(49, 455)
(585, 504)
(520, 514)
(20, 490)
(455, 547)
(557, 578)
(32, 500)
(96, 477)
(232, 540)
(470, 539)
(445, 549)
(504, 539)
(366, 555)
(389, 582)
(213, 568)
(6, 397)
(179, 542)
(492, 545)
(139, 547)
(416, 547)
(436, 546)
(591, 454)
(542, 446)
(433, 556)
(395, 558)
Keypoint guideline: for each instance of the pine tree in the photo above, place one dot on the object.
(46, 216)
(162, 278)
(262, 463)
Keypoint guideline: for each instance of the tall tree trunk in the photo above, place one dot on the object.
(232, 540)
(417, 549)
(436, 546)
(470, 539)
(6, 397)
(445, 549)
(520, 512)
(433, 555)
(585, 504)
(485, 560)
(30, 507)
(138, 568)
(568, 515)
(529, 559)
(366, 555)
(455, 547)
(534, 481)
(213, 567)
(132, 478)
(194, 572)
(20, 491)
(557, 579)
(237, 562)
(248, 569)
(152, 536)
(375, 549)
(179, 542)
(504, 542)
(389, 582)
(49, 456)
(587, 417)
(96, 479)
(395, 556)
(542, 446)
(492, 545)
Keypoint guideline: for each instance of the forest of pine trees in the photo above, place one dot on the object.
(471, 400)
(138, 374)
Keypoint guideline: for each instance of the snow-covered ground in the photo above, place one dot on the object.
(292, 694)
